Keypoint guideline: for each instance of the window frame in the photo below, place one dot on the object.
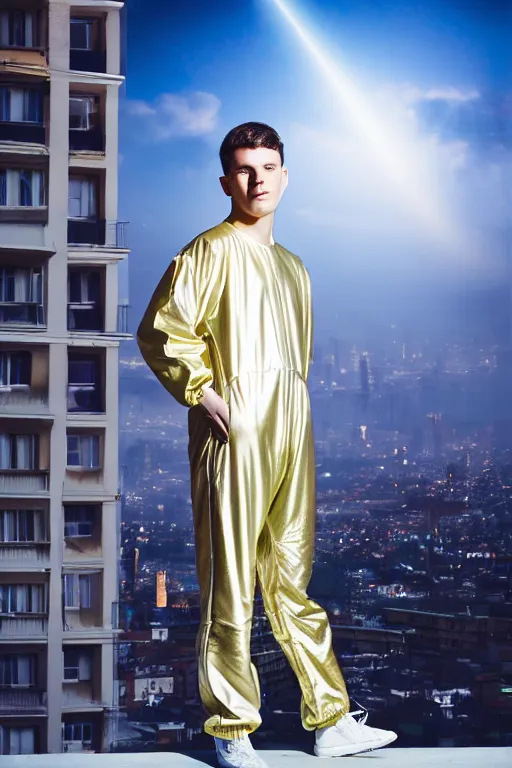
(95, 451)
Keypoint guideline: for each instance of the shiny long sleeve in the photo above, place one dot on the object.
(171, 335)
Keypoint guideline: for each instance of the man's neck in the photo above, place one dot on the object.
(259, 229)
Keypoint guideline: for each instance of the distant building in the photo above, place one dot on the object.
(161, 590)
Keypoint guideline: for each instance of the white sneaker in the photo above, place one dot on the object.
(237, 753)
(349, 736)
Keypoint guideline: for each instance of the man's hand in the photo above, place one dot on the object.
(217, 412)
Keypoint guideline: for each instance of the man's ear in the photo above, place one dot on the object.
(225, 185)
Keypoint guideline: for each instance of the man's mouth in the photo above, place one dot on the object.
(260, 194)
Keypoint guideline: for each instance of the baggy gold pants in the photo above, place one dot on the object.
(254, 512)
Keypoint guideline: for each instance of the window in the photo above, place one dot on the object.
(83, 385)
(17, 741)
(84, 451)
(82, 199)
(78, 521)
(23, 598)
(19, 451)
(19, 29)
(77, 590)
(81, 34)
(17, 670)
(22, 525)
(21, 105)
(22, 188)
(77, 665)
(21, 292)
(20, 285)
(80, 110)
(84, 310)
(84, 287)
(15, 369)
(78, 732)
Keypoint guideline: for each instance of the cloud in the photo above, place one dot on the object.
(173, 115)
(412, 94)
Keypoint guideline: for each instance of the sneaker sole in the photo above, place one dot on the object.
(352, 749)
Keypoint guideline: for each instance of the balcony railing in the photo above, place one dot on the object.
(108, 233)
(92, 140)
(29, 133)
(23, 626)
(88, 61)
(22, 702)
(23, 480)
(122, 318)
(14, 553)
(22, 399)
(116, 234)
(86, 231)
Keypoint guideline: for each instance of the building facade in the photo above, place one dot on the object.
(61, 324)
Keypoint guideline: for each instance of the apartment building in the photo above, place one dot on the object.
(61, 324)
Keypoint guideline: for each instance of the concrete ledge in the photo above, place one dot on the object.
(460, 757)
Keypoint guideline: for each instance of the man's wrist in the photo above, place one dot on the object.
(200, 393)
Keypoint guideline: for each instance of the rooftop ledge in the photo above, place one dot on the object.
(455, 757)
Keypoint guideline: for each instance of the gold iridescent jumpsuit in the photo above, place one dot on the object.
(235, 314)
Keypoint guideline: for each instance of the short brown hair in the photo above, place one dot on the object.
(249, 136)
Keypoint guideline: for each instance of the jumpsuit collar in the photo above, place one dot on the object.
(249, 237)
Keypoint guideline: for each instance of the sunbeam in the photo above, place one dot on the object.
(391, 148)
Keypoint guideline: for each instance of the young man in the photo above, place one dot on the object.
(228, 332)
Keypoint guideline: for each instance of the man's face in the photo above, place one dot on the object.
(256, 181)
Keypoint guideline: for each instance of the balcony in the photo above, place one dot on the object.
(88, 61)
(22, 133)
(24, 481)
(82, 592)
(22, 400)
(22, 627)
(19, 555)
(79, 699)
(81, 685)
(109, 234)
(92, 140)
(22, 702)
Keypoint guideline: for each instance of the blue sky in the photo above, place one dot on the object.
(437, 73)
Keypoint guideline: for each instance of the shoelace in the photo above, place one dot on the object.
(362, 721)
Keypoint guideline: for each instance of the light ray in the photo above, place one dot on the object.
(391, 148)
